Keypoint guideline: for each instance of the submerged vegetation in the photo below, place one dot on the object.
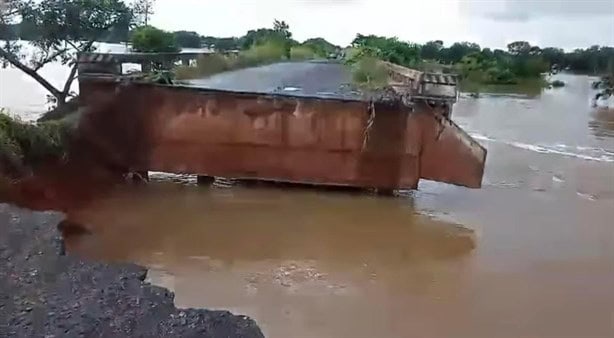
(605, 86)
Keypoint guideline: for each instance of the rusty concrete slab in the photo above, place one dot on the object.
(277, 137)
(289, 121)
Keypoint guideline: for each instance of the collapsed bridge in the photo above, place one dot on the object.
(299, 122)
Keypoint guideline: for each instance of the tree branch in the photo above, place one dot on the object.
(69, 80)
(83, 47)
(49, 59)
(88, 45)
(33, 74)
(8, 12)
(72, 45)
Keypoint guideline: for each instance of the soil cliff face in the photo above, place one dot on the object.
(45, 293)
(48, 166)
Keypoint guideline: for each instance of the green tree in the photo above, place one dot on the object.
(321, 47)
(432, 50)
(254, 37)
(149, 39)
(63, 28)
(388, 49)
(222, 44)
(9, 10)
(488, 53)
(554, 56)
(302, 53)
(519, 48)
(526, 60)
(187, 39)
(535, 50)
(279, 33)
(499, 54)
(458, 50)
(282, 28)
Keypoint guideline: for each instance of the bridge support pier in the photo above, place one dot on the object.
(140, 176)
(204, 180)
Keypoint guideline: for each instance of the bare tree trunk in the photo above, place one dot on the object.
(69, 81)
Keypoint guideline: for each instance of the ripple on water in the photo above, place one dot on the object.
(586, 196)
(580, 152)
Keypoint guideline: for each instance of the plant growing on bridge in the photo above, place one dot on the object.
(62, 29)
(369, 73)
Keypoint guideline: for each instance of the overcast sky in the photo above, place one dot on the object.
(491, 23)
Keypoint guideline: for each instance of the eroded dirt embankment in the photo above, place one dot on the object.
(46, 294)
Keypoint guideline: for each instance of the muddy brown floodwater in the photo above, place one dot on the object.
(531, 254)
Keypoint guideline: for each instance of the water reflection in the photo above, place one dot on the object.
(268, 224)
(298, 261)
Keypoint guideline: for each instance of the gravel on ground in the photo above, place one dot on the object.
(44, 293)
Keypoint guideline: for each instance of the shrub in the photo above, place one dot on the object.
(370, 73)
(501, 76)
(302, 53)
(206, 65)
(267, 52)
(150, 39)
(30, 143)
(321, 47)
(557, 84)
(216, 63)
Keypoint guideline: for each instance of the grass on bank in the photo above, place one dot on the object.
(299, 53)
(257, 55)
(24, 144)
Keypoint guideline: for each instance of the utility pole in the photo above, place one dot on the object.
(144, 9)
(147, 8)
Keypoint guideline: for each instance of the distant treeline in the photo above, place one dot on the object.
(520, 58)
(484, 64)
(29, 31)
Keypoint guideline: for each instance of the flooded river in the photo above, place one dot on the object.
(531, 254)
